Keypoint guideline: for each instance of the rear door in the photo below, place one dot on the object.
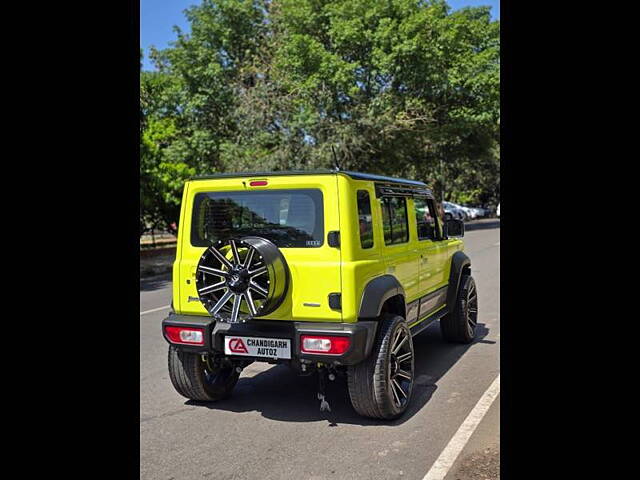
(294, 212)
(430, 251)
(401, 259)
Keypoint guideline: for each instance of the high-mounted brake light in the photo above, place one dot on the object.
(326, 345)
(184, 335)
(258, 183)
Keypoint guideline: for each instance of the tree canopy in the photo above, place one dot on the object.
(396, 87)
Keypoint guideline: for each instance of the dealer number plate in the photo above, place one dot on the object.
(258, 347)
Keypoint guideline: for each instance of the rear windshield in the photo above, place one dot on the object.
(289, 218)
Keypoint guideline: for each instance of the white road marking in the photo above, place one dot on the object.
(154, 310)
(441, 466)
(497, 244)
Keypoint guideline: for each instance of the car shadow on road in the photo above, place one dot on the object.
(280, 394)
(155, 283)
(482, 225)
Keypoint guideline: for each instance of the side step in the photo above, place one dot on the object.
(416, 329)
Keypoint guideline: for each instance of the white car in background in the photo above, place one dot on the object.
(498, 211)
(468, 212)
(453, 211)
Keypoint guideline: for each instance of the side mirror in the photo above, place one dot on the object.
(454, 228)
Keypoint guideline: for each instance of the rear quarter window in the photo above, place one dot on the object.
(365, 221)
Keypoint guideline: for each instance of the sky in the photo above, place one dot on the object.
(157, 18)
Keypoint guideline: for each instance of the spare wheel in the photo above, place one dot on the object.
(242, 278)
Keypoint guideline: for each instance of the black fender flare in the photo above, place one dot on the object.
(376, 292)
(459, 261)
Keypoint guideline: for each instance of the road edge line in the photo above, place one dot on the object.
(445, 461)
(154, 310)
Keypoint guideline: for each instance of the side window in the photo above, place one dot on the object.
(394, 220)
(364, 219)
(425, 219)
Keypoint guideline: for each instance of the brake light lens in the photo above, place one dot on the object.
(185, 335)
(258, 183)
(326, 345)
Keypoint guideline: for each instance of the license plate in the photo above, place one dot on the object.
(258, 347)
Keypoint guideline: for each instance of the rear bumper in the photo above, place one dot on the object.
(362, 335)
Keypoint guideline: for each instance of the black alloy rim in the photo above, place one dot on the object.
(472, 307)
(237, 284)
(401, 367)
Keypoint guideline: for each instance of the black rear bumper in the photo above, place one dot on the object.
(362, 335)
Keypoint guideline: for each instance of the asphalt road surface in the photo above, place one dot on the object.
(272, 427)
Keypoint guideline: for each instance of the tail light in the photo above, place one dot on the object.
(326, 345)
(185, 335)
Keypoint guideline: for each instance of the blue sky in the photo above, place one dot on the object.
(157, 18)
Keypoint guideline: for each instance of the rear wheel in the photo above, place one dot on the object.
(381, 385)
(196, 377)
(459, 325)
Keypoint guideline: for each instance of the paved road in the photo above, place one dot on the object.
(271, 428)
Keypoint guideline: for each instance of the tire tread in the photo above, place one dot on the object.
(366, 381)
(454, 324)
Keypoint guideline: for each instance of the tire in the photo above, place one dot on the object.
(192, 377)
(371, 382)
(241, 278)
(459, 325)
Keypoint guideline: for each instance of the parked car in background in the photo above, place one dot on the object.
(481, 212)
(468, 213)
(453, 211)
(498, 211)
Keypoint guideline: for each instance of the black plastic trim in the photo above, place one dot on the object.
(198, 321)
(424, 300)
(376, 292)
(362, 335)
(459, 260)
(402, 191)
(335, 301)
(333, 238)
(412, 311)
(416, 329)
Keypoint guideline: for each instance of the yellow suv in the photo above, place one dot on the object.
(327, 271)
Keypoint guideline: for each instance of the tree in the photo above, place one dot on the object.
(397, 87)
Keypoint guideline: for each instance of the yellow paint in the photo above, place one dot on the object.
(317, 272)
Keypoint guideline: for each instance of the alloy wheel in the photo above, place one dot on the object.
(472, 307)
(233, 281)
(401, 367)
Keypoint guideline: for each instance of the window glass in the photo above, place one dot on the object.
(440, 214)
(425, 218)
(289, 218)
(364, 219)
(394, 220)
